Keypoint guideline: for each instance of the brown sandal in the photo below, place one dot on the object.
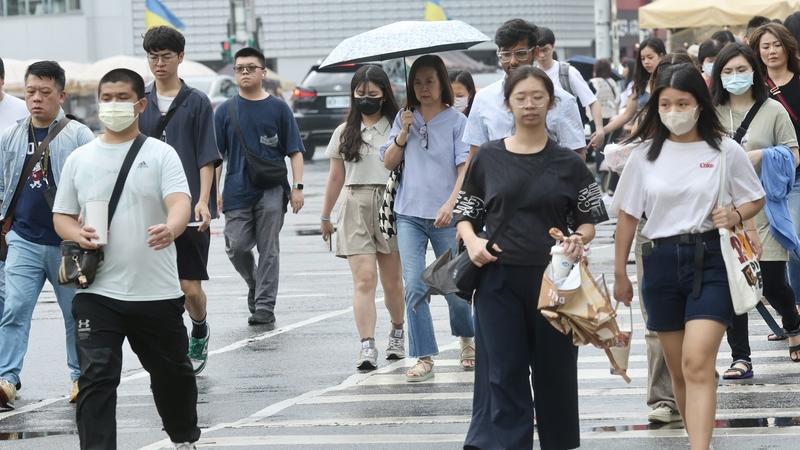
(467, 357)
(421, 371)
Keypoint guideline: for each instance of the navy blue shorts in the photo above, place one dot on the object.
(669, 272)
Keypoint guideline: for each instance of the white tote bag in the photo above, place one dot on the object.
(744, 271)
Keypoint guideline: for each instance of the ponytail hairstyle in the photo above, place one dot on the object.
(351, 141)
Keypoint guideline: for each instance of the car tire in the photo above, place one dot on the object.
(310, 148)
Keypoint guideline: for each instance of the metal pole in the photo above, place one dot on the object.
(615, 36)
(601, 29)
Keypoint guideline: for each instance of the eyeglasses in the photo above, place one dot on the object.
(164, 57)
(423, 132)
(521, 55)
(249, 68)
(524, 101)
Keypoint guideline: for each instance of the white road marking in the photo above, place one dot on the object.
(31, 407)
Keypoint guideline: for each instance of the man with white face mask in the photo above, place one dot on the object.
(30, 173)
(136, 293)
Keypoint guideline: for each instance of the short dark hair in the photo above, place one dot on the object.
(522, 73)
(515, 30)
(250, 51)
(124, 76)
(546, 36)
(709, 49)
(437, 64)
(730, 51)
(465, 78)
(755, 22)
(163, 38)
(48, 69)
(724, 36)
(683, 77)
(602, 69)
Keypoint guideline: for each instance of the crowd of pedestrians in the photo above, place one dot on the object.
(464, 164)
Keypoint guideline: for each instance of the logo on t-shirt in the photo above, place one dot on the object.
(706, 165)
(590, 200)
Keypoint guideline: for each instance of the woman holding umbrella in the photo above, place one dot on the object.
(534, 185)
(426, 139)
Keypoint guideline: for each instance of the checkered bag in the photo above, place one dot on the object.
(386, 218)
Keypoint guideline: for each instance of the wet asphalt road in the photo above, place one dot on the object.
(295, 386)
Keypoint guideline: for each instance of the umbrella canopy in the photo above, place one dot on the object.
(700, 13)
(407, 38)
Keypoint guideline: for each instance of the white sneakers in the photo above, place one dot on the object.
(663, 414)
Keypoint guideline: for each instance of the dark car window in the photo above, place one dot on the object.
(227, 88)
(325, 81)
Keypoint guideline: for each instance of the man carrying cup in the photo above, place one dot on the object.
(135, 293)
(32, 157)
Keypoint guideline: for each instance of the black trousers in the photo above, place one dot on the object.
(157, 335)
(516, 346)
(780, 296)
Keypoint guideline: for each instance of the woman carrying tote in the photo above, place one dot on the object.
(355, 164)
(533, 185)
(738, 88)
(779, 62)
(673, 178)
(426, 138)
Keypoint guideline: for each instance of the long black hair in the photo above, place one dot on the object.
(730, 51)
(351, 141)
(641, 75)
(465, 78)
(683, 77)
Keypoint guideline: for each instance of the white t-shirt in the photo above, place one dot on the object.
(579, 86)
(678, 191)
(164, 103)
(12, 109)
(131, 271)
(490, 120)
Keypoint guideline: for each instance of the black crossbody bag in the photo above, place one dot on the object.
(458, 275)
(263, 173)
(79, 265)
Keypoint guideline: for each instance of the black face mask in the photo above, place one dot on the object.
(368, 105)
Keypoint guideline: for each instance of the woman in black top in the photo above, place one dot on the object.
(543, 186)
(779, 61)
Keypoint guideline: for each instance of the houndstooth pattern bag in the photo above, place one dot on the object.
(386, 218)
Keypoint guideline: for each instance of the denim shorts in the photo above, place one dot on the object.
(669, 272)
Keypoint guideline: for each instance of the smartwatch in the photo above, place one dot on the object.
(298, 186)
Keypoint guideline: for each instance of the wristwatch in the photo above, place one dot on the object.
(298, 186)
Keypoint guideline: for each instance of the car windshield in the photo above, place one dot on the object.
(328, 78)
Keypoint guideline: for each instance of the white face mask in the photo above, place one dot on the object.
(680, 122)
(116, 116)
(461, 103)
(708, 69)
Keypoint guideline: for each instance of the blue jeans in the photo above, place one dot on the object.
(2, 286)
(794, 263)
(27, 266)
(413, 235)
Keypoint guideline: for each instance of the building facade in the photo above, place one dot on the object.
(294, 34)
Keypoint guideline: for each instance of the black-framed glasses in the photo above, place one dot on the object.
(521, 55)
(423, 132)
(250, 68)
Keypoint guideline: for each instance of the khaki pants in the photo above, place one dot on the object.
(659, 383)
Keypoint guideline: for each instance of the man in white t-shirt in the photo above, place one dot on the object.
(575, 84)
(12, 109)
(490, 119)
(136, 293)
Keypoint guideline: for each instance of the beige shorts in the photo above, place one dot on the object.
(357, 228)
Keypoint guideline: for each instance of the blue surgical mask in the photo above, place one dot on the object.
(708, 69)
(737, 83)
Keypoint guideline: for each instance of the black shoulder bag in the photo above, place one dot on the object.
(158, 133)
(458, 275)
(742, 130)
(79, 265)
(8, 220)
(263, 173)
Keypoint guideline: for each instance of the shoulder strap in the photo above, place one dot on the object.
(35, 157)
(740, 132)
(164, 120)
(775, 91)
(123, 174)
(233, 115)
(723, 174)
(532, 178)
(563, 76)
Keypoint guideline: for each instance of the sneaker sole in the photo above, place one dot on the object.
(366, 366)
(395, 356)
(661, 421)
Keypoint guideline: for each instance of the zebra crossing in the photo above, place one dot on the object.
(380, 410)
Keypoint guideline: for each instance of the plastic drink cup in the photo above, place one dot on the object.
(561, 263)
(96, 216)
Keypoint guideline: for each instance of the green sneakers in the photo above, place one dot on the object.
(198, 351)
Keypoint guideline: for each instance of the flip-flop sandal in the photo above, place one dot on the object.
(774, 337)
(794, 349)
(737, 373)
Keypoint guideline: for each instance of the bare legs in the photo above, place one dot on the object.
(365, 270)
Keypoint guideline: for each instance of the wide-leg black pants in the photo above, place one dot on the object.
(157, 335)
(517, 347)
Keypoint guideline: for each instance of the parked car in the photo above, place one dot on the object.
(321, 101)
(218, 87)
